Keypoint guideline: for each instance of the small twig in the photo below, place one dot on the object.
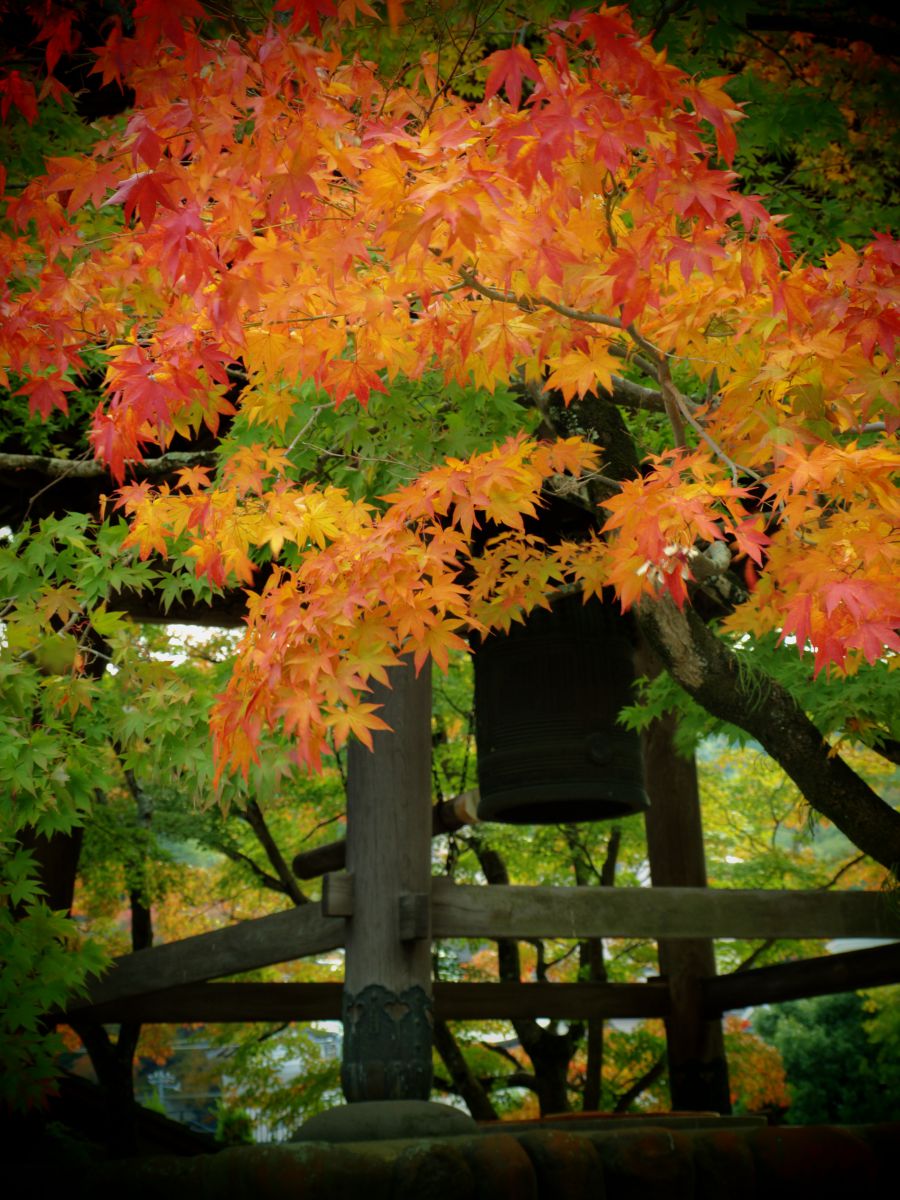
(735, 468)
(636, 360)
(318, 408)
(753, 956)
(262, 877)
(270, 1033)
(841, 871)
(322, 825)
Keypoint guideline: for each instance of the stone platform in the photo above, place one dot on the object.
(713, 1160)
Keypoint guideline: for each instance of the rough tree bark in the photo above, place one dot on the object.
(710, 672)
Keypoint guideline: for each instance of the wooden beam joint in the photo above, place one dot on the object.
(337, 894)
(414, 913)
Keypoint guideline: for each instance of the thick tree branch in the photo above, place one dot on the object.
(625, 393)
(889, 748)
(729, 688)
(732, 690)
(89, 468)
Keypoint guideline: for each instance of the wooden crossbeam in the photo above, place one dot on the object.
(664, 912)
(223, 1002)
(874, 967)
(280, 937)
(517, 912)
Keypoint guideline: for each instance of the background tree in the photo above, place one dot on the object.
(835, 1072)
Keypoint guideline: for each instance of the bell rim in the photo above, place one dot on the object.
(532, 806)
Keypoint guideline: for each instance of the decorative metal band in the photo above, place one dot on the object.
(387, 1044)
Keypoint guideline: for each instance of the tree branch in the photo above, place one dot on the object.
(260, 875)
(754, 956)
(882, 38)
(730, 689)
(640, 1085)
(517, 1079)
(89, 468)
(465, 1083)
(254, 817)
(888, 748)
(530, 303)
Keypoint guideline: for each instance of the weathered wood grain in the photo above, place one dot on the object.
(695, 1047)
(665, 912)
(523, 912)
(873, 967)
(281, 937)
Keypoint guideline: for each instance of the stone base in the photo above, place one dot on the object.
(792, 1163)
(599, 1122)
(379, 1120)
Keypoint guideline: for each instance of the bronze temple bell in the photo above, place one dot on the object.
(547, 695)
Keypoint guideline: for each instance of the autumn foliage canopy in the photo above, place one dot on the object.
(283, 214)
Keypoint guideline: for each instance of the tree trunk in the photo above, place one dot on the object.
(113, 1062)
(590, 953)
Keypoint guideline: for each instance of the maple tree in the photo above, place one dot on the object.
(286, 213)
(404, 318)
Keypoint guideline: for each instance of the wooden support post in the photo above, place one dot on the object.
(387, 1002)
(698, 1069)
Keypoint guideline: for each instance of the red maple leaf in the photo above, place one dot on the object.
(14, 90)
(508, 68)
(144, 191)
(46, 393)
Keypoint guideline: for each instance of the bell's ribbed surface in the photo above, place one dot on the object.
(547, 695)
